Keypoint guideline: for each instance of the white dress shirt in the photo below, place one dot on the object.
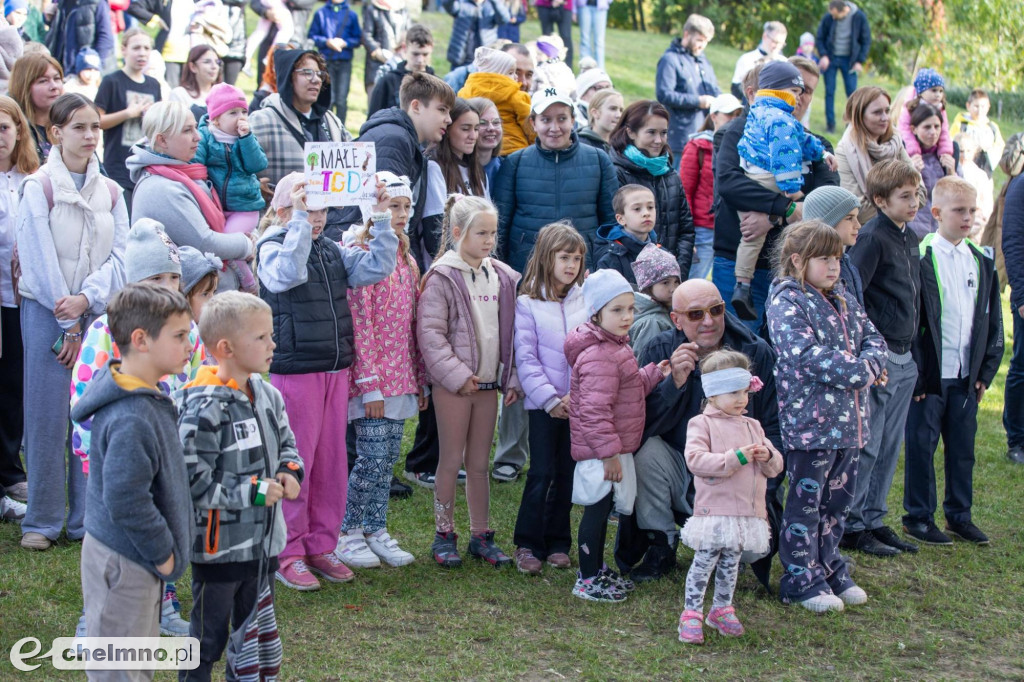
(958, 275)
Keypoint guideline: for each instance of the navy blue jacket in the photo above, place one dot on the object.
(336, 21)
(475, 25)
(850, 275)
(79, 24)
(680, 80)
(616, 249)
(1013, 239)
(860, 37)
(536, 186)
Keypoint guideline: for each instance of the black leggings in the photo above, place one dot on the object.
(592, 535)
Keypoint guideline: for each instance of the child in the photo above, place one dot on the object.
(464, 330)
(957, 351)
(123, 97)
(829, 354)
(773, 150)
(606, 420)
(335, 32)
(657, 276)
(839, 208)
(731, 460)
(619, 245)
(806, 47)
(387, 385)
(413, 56)
(86, 78)
(276, 15)
(929, 87)
(233, 157)
(495, 79)
(241, 458)
(305, 279)
(979, 179)
(886, 254)
(549, 306)
(976, 123)
(137, 528)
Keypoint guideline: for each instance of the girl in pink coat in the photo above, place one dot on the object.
(731, 461)
(607, 394)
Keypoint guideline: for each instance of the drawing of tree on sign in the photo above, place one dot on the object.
(311, 160)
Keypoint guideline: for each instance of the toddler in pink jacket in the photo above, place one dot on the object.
(731, 460)
(929, 87)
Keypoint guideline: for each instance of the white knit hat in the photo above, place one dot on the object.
(601, 287)
(488, 60)
(589, 78)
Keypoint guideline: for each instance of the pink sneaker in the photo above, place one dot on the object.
(295, 575)
(691, 628)
(329, 567)
(725, 621)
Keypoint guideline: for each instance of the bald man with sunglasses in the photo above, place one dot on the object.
(664, 485)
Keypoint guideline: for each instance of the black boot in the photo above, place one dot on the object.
(743, 302)
(659, 560)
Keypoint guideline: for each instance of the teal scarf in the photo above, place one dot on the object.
(656, 166)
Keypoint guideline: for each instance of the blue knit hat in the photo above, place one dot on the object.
(601, 287)
(926, 79)
(88, 58)
(14, 6)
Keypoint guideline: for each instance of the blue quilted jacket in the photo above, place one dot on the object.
(774, 140)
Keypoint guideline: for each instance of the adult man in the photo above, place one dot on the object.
(773, 39)
(664, 485)
(524, 67)
(685, 82)
(844, 38)
(77, 24)
(1013, 252)
(419, 48)
(745, 209)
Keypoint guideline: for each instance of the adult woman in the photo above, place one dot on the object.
(71, 233)
(37, 80)
(176, 193)
(202, 71)
(603, 113)
(641, 156)
(488, 144)
(869, 138)
(926, 124)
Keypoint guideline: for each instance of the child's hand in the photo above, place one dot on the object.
(166, 567)
(948, 164)
(275, 491)
(423, 401)
(375, 409)
(559, 411)
(383, 198)
(612, 469)
(511, 397)
(665, 367)
(831, 162)
(795, 196)
(755, 453)
(980, 389)
(469, 388)
(917, 161)
(290, 484)
(243, 126)
(336, 44)
(299, 197)
(882, 379)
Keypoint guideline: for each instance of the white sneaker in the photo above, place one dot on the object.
(823, 603)
(354, 552)
(853, 595)
(386, 547)
(11, 509)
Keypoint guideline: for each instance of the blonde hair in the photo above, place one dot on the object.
(724, 359)
(598, 101)
(165, 117)
(809, 239)
(460, 211)
(952, 186)
(538, 278)
(131, 33)
(696, 23)
(224, 314)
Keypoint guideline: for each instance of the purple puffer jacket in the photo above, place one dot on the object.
(827, 361)
(607, 403)
(541, 328)
(445, 332)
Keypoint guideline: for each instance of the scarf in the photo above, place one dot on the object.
(186, 173)
(656, 166)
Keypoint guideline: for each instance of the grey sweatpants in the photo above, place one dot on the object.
(513, 436)
(50, 464)
(661, 484)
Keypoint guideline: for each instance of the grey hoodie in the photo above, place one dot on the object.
(138, 501)
(651, 319)
(172, 204)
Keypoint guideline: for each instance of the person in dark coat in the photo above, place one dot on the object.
(419, 48)
(79, 24)
(476, 25)
(843, 41)
(1013, 252)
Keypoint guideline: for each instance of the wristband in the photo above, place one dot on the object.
(739, 455)
(261, 493)
(792, 207)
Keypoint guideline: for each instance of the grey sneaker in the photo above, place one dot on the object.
(171, 622)
(11, 509)
(506, 473)
(597, 588)
(19, 491)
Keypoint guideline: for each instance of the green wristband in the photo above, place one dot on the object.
(740, 457)
(261, 494)
(792, 207)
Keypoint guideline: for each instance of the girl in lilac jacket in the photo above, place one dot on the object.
(829, 354)
(549, 308)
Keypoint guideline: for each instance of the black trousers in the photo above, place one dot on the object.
(215, 606)
(592, 535)
(341, 78)
(543, 524)
(12, 378)
(953, 416)
(550, 17)
(423, 456)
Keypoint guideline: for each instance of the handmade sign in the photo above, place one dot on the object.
(340, 173)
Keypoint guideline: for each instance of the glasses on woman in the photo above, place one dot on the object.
(211, 61)
(495, 123)
(310, 74)
(697, 314)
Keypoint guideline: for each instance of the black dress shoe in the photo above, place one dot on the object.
(1016, 455)
(399, 489)
(967, 532)
(865, 541)
(887, 536)
(926, 532)
(743, 302)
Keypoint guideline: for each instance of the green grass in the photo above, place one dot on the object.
(947, 613)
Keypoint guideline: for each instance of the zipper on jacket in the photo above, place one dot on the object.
(330, 295)
(227, 179)
(266, 460)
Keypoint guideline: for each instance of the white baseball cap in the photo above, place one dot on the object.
(725, 104)
(545, 97)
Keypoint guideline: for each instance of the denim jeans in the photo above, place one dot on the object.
(1013, 401)
(849, 84)
(341, 77)
(593, 22)
(702, 262)
(724, 277)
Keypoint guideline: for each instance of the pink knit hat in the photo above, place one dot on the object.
(223, 98)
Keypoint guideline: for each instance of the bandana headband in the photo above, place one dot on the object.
(726, 381)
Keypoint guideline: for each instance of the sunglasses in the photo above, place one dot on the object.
(697, 314)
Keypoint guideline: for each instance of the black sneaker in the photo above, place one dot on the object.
(887, 536)
(967, 532)
(482, 546)
(446, 550)
(399, 489)
(659, 560)
(865, 541)
(422, 478)
(1016, 454)
(927, 532)
(743, 302)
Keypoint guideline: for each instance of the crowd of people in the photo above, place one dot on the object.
(664, 307)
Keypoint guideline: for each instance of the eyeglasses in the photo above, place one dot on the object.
(211, 62)
(496, 123)
(697, 314)
(310, 74)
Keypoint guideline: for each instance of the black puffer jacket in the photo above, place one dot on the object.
(675, 222)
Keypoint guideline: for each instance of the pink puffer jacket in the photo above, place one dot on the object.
(724, 486)
(607, 396)
(445, 332)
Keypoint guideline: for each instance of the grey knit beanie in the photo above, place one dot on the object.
(149, 251)
(829, 204)
(195, 265)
